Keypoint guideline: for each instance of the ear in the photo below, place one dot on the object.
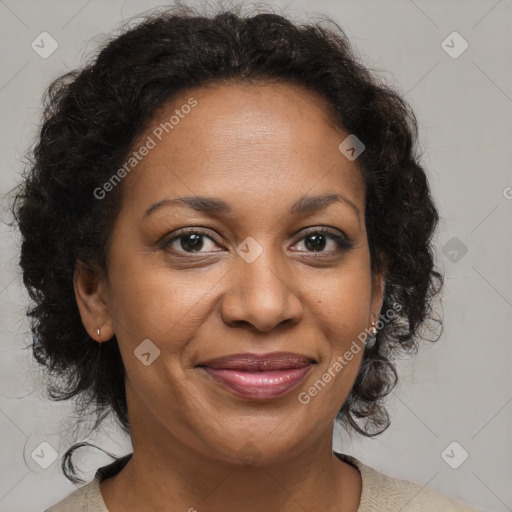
(378, 286)
(91, 293)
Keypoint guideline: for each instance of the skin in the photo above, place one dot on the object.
(259, 147)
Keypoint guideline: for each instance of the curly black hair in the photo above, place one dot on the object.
(92, 118)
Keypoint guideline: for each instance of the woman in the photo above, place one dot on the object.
(227, 237)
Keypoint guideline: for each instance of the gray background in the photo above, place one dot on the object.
(458, 389)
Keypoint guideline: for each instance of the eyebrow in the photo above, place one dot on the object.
(305, 205)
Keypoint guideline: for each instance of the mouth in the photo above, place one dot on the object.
(259, 376)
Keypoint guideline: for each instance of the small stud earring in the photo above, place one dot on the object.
(373, 329)
(98, 331)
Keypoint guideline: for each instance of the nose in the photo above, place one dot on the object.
(261, 294)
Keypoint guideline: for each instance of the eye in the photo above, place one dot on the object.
(316, 241)
(190, 241)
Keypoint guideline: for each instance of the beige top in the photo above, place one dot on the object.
(380, 493)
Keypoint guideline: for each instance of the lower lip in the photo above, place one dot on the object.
(259, 385)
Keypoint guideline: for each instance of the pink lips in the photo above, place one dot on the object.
(259, 376)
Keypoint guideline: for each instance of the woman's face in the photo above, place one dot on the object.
(258, 278)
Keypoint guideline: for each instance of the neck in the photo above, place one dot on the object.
(165, 473)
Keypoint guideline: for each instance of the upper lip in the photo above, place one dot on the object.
(260, 362)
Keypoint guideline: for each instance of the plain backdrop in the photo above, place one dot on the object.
(453, 401)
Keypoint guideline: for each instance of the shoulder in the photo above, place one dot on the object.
(89, 498)
(85, 499)
(383, 493)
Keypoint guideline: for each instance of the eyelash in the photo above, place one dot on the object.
(343, 244)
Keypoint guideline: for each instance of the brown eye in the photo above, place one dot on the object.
(318, 240)
(189, 242)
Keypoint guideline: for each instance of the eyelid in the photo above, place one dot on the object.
(322, 229)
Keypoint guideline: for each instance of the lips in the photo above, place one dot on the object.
(259, 362)
(259, 376)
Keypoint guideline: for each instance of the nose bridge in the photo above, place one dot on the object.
(261, 293)
(265, 274)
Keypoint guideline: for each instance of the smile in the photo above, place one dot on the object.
(259, 377)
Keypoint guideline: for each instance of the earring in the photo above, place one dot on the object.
(373, 329)
(98, 332)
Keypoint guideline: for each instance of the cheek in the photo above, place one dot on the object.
(153, 305)
(342, 310)
(149, 301)
(342, 300)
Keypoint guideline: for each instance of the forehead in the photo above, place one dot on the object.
(243, 139)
